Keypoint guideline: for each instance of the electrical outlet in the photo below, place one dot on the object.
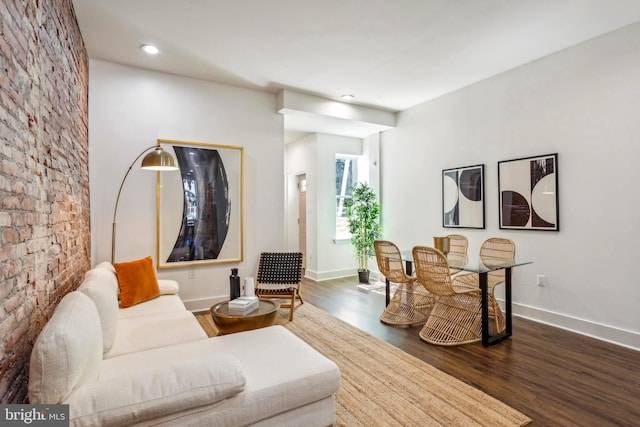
(540, 280)
(191, 273)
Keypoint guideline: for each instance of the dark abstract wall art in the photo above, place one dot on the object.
(200, 206)
(206, 205)
(528, 189)
(463, 197)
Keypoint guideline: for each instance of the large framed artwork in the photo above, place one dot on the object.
(463, 197)
(529, 193)
(199, 207)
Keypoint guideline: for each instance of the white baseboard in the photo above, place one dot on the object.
(591, 329)
(330, 275)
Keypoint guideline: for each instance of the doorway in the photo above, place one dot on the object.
(302, 217)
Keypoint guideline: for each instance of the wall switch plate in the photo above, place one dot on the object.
(540, 280)
(191, 273)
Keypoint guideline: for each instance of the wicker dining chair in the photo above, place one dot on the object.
(456, 317)
(280, 276)
(411, 303)
(493, 251)
(458, 245)
(457, 256)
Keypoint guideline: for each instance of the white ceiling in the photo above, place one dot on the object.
(390, 54)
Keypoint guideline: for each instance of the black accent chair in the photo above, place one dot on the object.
(280, 276)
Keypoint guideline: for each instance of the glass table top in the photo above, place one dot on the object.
(475, 264)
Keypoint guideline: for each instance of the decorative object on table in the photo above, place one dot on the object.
(463, 197)
(528, 190)
(363, 217)
(441, 244)
(158, 160)
(243, 305)
(280, 276)
(411, 303)
(494, 251)
(234, 284)
(249, 287)
(200, 209)
(456, 317)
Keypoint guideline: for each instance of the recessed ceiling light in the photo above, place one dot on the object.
(347, 97)
(151, 50)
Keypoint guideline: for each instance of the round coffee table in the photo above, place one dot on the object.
(227, 323)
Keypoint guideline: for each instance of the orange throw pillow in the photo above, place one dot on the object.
(137, 281)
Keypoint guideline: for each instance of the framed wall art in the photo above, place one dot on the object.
(200, 206)
(463, 197)
(529, 193)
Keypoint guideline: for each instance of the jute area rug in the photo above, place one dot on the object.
(383, 386)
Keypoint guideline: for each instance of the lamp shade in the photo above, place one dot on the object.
(159, 160)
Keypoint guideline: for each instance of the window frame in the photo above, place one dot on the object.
(341, 226)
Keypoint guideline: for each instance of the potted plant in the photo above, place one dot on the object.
(363, 216)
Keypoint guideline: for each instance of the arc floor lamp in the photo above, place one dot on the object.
(156, 160)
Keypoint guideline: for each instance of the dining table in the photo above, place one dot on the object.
(481, 266)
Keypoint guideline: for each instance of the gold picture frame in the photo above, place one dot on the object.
(200, 207)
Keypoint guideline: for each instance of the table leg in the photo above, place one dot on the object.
(491, 340)
(387, 290)
(507, 284)
(409, 267)
(484, 304)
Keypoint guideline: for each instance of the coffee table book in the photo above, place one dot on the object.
(243, 305)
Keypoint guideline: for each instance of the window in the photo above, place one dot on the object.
(346, 177)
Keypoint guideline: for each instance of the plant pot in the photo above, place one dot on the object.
(363, 276)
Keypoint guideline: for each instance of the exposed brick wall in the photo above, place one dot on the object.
(44, 176)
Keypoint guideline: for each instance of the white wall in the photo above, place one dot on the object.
(315, 155)
(129, 109)
(335, 258)
(582, 103)
(300, 159)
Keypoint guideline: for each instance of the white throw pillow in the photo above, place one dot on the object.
(68, 351)
(106, 301)
(106, 265)
(160, 389)
(107, 277)
(168, 287)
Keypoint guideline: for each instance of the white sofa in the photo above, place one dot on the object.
(152, 364)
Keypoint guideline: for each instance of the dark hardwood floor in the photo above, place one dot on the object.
(556, 377)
